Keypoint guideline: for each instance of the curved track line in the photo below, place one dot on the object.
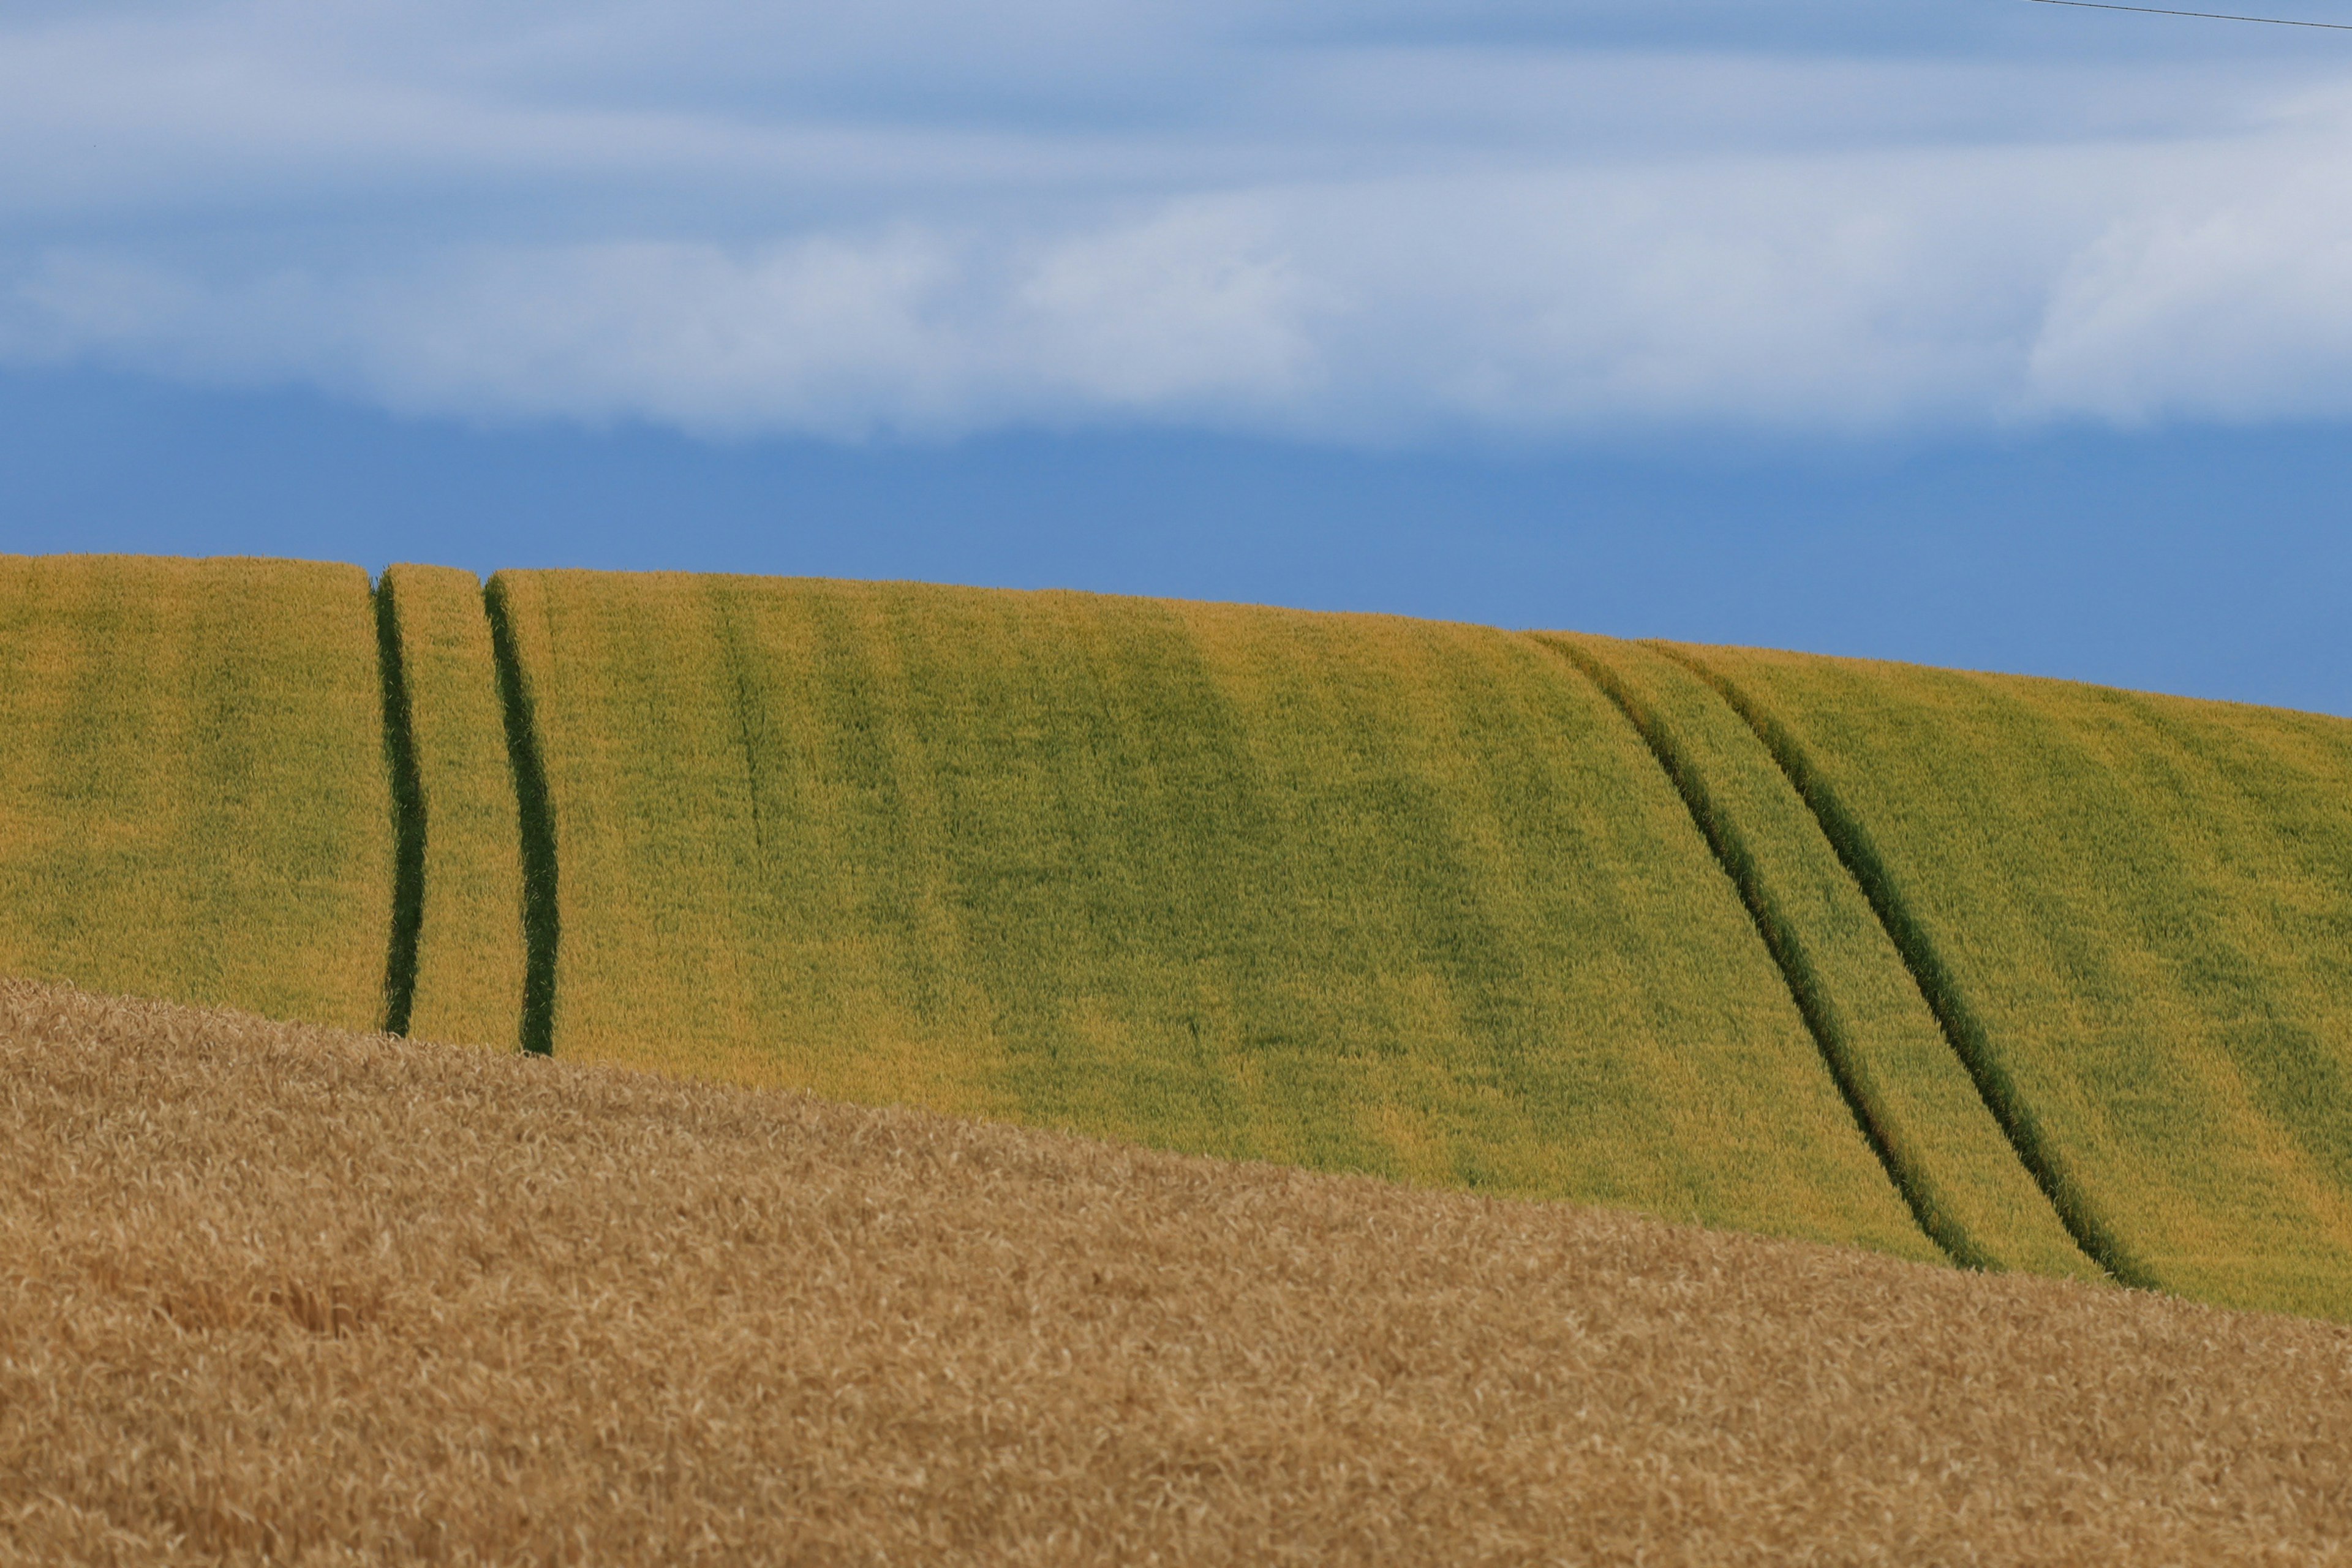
(1737, 865)
(1962, 1028)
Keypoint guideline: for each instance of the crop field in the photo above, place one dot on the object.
(1353, 892)
(2136, 913)
(193, 801)
(2017, 975)
(272, 1293)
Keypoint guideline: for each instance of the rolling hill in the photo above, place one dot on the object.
(1349, 892)
(2018, 975)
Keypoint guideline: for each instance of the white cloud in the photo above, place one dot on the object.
(2230, 301)
(907, 332)
(738, 219)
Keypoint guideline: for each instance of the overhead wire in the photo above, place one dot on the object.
(2207, 15)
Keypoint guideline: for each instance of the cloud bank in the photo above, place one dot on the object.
(1424, 225)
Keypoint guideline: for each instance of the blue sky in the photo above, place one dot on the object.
(1984, 332)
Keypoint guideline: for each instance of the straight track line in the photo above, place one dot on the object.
(542, 920)
(1738, 867)
(730, 643)
(408, 823)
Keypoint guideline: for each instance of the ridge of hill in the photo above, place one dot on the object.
(2018, 974)
(273, 1292)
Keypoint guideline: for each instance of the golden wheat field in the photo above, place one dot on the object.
(269, 1293)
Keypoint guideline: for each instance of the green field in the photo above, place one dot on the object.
(2019, 974)
(194, 799)
(1939, 1142)
(1352, 892)
(2136, 912)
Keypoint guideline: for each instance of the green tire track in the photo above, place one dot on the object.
(461, 821)
(1968, 1041)
(407, 818)
(1922, 1111)
(542, 909)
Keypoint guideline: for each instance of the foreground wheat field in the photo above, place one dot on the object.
(275, 1293)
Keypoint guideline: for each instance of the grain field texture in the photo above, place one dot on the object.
(1942, 1142)
(1347, 891)
(194, 799)
(2139, 909)
(469, 968)
(275, 1294)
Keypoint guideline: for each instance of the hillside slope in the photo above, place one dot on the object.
(2016, 974)
(1355, 892)
(193, 801)
(273, 1292)
(2135, 914)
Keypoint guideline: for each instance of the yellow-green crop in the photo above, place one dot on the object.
(1350, 892)
(2135, 914)
(1938, 1139)
(193, 794)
